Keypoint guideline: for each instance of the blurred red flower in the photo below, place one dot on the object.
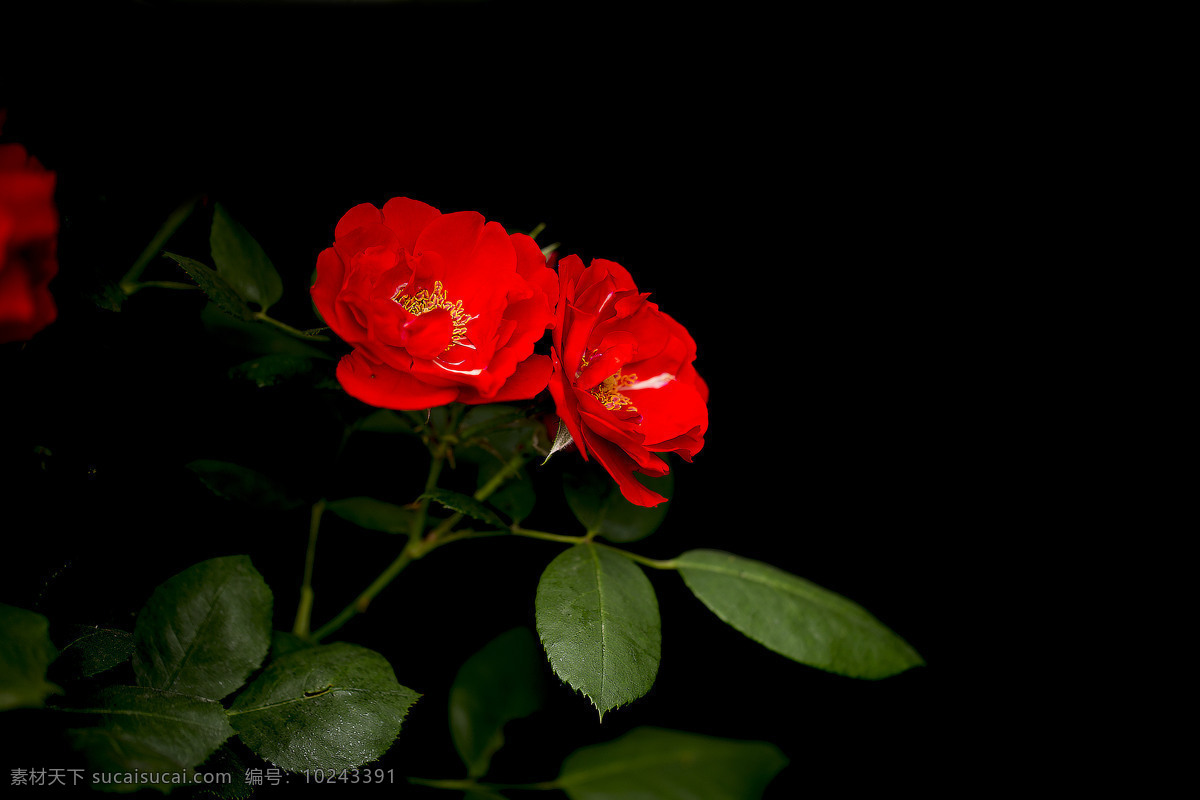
(28, 244)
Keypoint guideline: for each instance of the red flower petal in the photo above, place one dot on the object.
(453, 303)
(28, 244)
(566, 404)
(357, 217)
(623, 381)
(428, 334)
(16, 293)
(529, 378)
(407, 218)
(452, 236)
(380, 385)
(532, 266)
(620, 466)
(669, 411)
(330, 280)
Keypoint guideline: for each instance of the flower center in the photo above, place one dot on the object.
(608, 391)
(425, 301)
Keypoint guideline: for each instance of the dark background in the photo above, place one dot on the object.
(793, 195)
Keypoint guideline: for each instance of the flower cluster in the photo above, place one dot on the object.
(28, 244)
(441, 308)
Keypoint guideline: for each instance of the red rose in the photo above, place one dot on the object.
(28, 244)
(438, 307)
(623, 381)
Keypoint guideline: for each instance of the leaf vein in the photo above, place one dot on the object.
(595, 553)
(197, 636)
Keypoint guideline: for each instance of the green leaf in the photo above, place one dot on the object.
(106, 294)
(150, 731)
(464, 504)
(491, 436)
(254, 337)
(224, 296)
(94, 650)
(372, 514)
(597, 502)
(500, 683)
(516, 497)
(204, 630)
(659, 764)
(597, 616)
(335, 706)
(233, 763)
(272, 369)
(241, 261)
(481, 418)
(244, 485)
(25, 653)
(284, 642)
(501, 430)
(384, 420)
(795, 617)
(562, 440)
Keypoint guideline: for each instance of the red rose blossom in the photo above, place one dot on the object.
(438, 307)
(28, 244)
(623, 381)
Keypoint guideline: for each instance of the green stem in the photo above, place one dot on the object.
(129, 283)
(510, 468)
(263, 316)
(548, 537)
(412, 551)
(435, 471)
(435, 538)
(420, 548)
(467, 533)
(489, 426)
(132, 287)
(655, 563)
(366, 596)
(304, 609)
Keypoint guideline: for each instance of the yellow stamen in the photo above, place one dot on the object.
(608, 391)
(424, 301)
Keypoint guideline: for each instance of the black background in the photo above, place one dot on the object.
(792, 193)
